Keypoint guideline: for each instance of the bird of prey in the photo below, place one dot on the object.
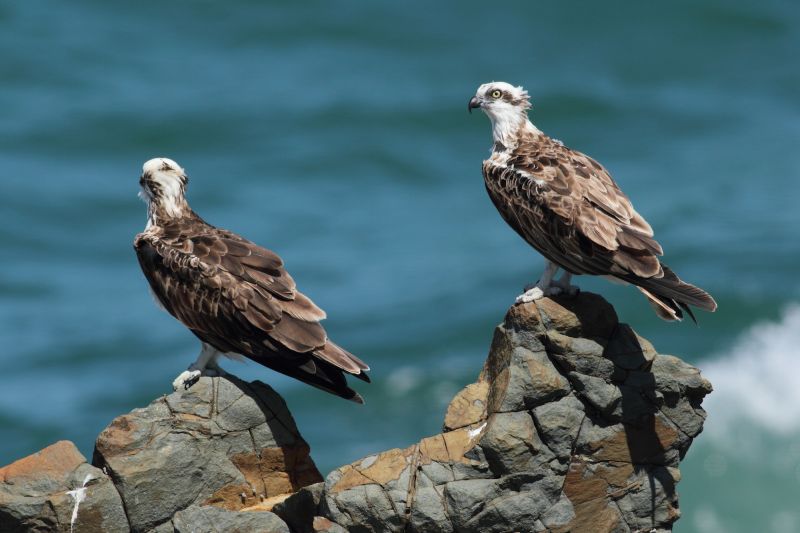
(567, 206)
(235, 296)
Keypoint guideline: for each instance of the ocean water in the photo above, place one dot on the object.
(337, 135)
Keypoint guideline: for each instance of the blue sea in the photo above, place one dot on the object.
(336, 134)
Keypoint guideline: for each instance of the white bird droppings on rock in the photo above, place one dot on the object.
(78, 495)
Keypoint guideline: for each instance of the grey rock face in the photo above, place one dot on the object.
(298, 510)
(43, 491)
(216, 457)
(223, 442)
(558, 424)
(575, 424)
(196, 519)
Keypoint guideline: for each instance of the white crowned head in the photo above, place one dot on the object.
(505, 105)
(163, 184)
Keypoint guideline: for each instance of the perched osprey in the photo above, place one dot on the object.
(565, 204)
(232, 294)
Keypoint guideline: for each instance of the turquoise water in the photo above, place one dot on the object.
(338, 136)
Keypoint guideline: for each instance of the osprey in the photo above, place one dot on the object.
(235, 296)
(565, 204)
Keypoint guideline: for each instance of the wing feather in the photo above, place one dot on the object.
(567, 206)
(238, 297)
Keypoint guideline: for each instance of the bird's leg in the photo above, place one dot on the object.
(207, 358)
(213, 369)
(563, 284)
(543, 287)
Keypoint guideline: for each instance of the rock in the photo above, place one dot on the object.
(628, 350)
(519, 377)
(299, 509)
(323, 525)
(583, 356)
(512, 444)
(558, 424)
(467, 407)
(223, 442)
(205, 518)
(43, 491)
(559, 514)
(574, 424)
(603, 396)
(587, 315)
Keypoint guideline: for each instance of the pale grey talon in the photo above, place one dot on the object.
(530, 295)
(185, 380)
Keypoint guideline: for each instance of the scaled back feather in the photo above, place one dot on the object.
(566, 205)
(235, 295)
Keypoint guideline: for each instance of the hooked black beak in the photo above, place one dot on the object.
(474, 103)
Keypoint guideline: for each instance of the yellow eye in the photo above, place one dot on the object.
(496, 93)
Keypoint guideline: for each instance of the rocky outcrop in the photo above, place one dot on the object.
(43, 492)
(223, 443)
(575, 424)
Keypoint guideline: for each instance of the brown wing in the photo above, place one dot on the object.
(567, 206)
(239, 298)
(573, 197)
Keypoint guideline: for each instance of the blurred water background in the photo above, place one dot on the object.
(337, 135)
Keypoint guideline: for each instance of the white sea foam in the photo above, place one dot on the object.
(757, 383)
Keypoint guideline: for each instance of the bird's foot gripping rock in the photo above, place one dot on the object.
(189, 377)
(535, 292)
(186, 379)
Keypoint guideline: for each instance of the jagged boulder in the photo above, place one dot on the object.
(223, 443)
(55, 489)
(574, 424)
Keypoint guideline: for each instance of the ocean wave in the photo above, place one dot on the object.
(756, 381)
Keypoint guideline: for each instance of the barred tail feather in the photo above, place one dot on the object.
(341, 358)
(669, 295)
(665, 308)
(317, 373)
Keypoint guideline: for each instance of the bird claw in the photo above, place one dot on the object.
(185, 380)
(535, 292)
(530, 295)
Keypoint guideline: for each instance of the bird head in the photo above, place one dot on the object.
(499, 98)
(163, 184)
(505, 105)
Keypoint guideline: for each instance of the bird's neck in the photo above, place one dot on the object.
(507, 129)
(161, 211)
